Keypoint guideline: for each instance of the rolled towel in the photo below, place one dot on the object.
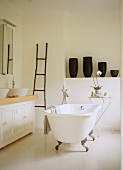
(52, 108)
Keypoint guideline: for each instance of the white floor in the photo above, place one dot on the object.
(36, 152)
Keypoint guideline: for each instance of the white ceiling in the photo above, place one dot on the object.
(39, 6)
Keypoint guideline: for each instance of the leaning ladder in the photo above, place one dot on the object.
(41, 74)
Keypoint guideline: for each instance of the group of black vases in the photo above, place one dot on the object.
(87, 67)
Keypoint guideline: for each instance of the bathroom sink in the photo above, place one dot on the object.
(3, 93)
(17, 92)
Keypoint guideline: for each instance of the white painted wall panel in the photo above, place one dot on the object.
(95, 34)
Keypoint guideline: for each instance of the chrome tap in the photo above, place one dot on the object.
(82, 107)
(64, 95)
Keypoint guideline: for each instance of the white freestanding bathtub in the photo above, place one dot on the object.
(71, 123)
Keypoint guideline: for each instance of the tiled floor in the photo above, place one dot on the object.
(36, 152)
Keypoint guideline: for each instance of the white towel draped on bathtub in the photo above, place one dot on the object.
(53, 109)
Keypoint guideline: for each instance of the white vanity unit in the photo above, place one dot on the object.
(17, 117)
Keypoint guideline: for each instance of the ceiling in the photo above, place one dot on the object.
(39, 6)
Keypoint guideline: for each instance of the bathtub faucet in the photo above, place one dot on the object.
(82, 107)
(64, 95)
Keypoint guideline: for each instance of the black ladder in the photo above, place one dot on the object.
(41, 74)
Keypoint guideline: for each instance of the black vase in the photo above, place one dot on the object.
(87, 66)
(102, 66)
(73, 67)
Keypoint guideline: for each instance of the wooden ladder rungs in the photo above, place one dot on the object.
(38, 90)
(41, 58)
(40, 106)
(40, 74)
(10, 59)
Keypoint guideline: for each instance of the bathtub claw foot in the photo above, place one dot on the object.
(57, 146)
(86, 148)
(83, 144)
(90, 134)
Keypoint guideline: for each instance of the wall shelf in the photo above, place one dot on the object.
(92, 78)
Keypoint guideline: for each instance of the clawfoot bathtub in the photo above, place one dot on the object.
(71, 123)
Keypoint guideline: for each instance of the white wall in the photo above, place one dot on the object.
(95, 34)
(9, 12)
(42, 30)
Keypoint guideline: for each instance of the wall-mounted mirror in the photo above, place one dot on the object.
(6, 47)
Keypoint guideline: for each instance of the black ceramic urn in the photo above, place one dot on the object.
(73, 67)
(87, 66)
(102, 66)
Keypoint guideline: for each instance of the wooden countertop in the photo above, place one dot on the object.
(17, 99)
